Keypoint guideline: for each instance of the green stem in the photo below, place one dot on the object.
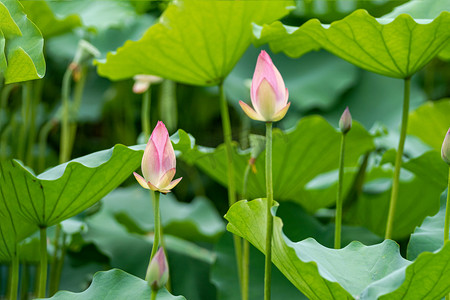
(43, 263)
(60, 265)
(26, 101)
(226, 127)
(154, 295)
(155, 197)
(54, 263)
(77, 100)
(245, 244)
(64, 154)
(34, 92)
(14, 283)
(447, 212)
(43, 135)
(337, 233)
(269, 229)
(398, 160)
(4, 96)
(145, 113)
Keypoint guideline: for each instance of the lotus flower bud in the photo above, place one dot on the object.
(445, 150)
(345, 123)
(268, 93)
(158, 271)
(143, 82)
(159, 162)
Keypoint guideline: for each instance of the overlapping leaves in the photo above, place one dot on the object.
(317, 271)
(21, 45)
(392, 47)
(195, 42)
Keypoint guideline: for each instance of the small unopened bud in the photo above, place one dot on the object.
(345, 123)
(142, 82)
(85, 52)
(257, 144)
(445, 150)
(158, 271)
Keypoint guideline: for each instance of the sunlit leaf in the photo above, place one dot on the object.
(67, 189)
(354, 272)
(430, 122)
(392, 47)
(116, 285)
(21, 45)
(302, 153)
(195, 42)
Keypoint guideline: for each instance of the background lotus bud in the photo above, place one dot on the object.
(345, 123)
(445, 150)
(159, 162)
(268, 93)
(158, 271)
(142, 82)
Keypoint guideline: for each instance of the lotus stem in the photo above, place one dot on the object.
(43, 263)
(145, 113)
(269, 230)
(226, 127)
(14, 273)
(64, 154)
(338, 220)
(398, 160)
(245, 245)
(157, 225)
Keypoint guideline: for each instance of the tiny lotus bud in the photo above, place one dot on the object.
(445, 151)
(143, 82)
(158, 271)
(345, 123)
(85, 52)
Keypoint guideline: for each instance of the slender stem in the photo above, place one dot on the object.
(34, 89)
(153, 295)
(77, 100)
(226, 127)
(337, 233)
(26, 99)
(60, 265)
(398, 160)
(54, 263)
(43, 135)
(65, 122)
(155, 197)
(43, 263)
(145, 113)
(245, 244)
(14, 283)
(269, 230)
(447, 212)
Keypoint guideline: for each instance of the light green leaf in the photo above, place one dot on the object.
(21, 45)
(392, 47)
(419, 9)
(40, 13)
(67, 189)
(430, 122)
(430, 235)
(116, 285)
(354, 272)
(422, 180)
(195, 42)
(302, 153)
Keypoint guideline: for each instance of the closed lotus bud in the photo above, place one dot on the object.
(159, 162)
(345, 123)
(143, 82)
(268, 93)
(445, 150)
(158, 271)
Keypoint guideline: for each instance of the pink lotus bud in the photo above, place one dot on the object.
(345, 123)
(268, 93)
(445, 150)
(143, 82)
(158, 271)
(159, 162)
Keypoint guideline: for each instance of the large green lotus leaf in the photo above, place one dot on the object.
(422, 180)
(354, 272)
(392, 47)
(419, 9)
(430, 122)
(21, 47)
(116, 284)
(195, 42)
(67, 189)
(40, 13)
(430, 235)
(300, 155)
(196, 221)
